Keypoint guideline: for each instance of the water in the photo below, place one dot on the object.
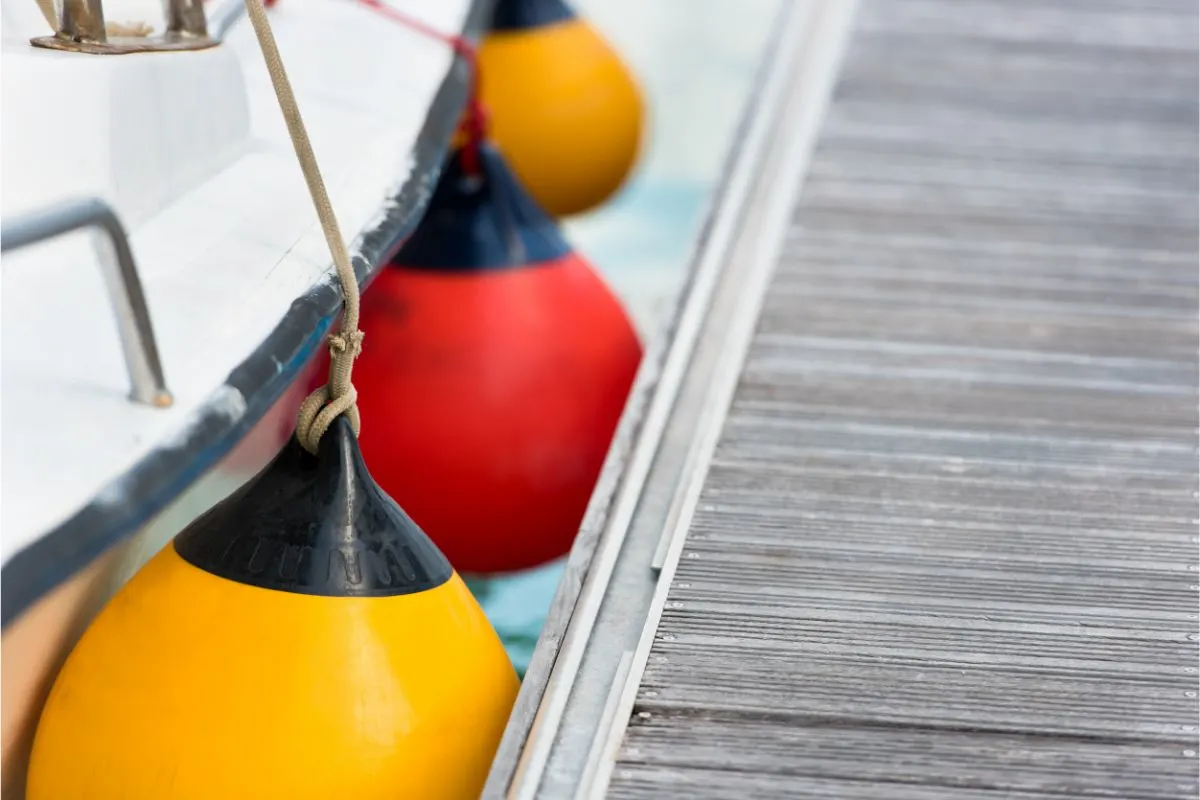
(697, 61)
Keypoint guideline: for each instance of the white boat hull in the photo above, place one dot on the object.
(190, 151)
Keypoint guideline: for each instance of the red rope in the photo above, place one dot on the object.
(474, 123)
(475, 120)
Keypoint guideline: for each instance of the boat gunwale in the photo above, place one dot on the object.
(130, 500)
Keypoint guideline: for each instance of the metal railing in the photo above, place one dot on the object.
(120, 276)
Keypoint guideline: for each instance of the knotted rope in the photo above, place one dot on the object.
(338, 396)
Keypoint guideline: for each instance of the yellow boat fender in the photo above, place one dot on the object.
(304, 639)
(562, 107)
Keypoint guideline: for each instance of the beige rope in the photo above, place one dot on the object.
(322, 407)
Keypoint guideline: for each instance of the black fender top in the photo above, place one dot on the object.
(316, 525)
(515, 15)
(481, 221)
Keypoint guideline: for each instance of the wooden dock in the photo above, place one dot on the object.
(906, 507)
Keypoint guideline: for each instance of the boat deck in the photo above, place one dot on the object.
(917, 515)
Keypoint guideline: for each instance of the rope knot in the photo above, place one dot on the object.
(322, 407)
(346, 343)
(319, 410)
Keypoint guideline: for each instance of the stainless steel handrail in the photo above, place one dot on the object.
(120, 275)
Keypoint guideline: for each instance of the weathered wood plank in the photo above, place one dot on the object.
(777, 746)
(637, 782)
(947, 544)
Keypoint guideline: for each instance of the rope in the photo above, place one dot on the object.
(338, 396)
